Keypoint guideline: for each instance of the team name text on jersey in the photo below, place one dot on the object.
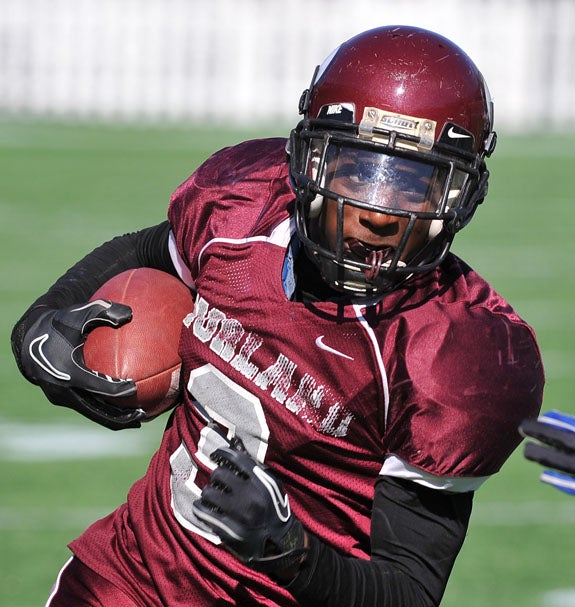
(228, 339)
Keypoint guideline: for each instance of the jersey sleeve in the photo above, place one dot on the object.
(239, 192)
(464, 380)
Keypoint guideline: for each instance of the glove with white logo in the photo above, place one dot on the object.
(51, 355)
(555, 448)
(246, 506)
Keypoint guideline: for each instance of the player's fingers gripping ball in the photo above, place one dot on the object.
(246, 506)
(52, 347)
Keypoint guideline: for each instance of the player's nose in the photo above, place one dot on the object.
(379, 222)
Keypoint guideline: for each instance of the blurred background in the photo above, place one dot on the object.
(107, 105)
(241, 61)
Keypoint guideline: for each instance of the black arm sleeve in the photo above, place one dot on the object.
(416, 534)
(145, 248)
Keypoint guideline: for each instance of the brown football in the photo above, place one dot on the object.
(145, 349)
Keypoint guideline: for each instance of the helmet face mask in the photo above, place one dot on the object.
(422, 173)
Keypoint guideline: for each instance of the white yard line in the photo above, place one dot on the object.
(53, 442)
(50, 442)
(561, 597)
(524, 513)
(15, 519)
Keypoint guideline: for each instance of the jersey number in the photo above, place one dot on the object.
(229, 410)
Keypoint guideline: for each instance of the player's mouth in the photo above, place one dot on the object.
(376, 257)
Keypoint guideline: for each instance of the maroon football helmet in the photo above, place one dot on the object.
(404, 113)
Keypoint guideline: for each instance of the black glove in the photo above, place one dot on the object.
(249, 510)
(51, 355)
(555, 448)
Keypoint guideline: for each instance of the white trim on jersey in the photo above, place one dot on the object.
(179, 264)
(396, 467)
(280, 236)
(377, 351)
(56, 585)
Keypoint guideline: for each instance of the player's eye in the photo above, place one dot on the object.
(412, 185)
(355, 174)
(367, 173)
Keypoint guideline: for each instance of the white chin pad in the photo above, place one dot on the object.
(435, 228)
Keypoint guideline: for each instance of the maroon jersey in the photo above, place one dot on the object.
(428, 383)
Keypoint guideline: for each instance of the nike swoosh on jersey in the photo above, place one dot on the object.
(280, 500)
(322, 346)
(37, 354)
(451, 133)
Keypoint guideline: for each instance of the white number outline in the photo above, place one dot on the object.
(229, 410)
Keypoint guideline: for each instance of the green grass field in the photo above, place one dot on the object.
(65, 189)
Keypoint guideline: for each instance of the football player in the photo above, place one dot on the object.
(349, 383)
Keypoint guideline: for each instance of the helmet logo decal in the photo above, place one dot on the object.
(338, 111)
(374, 118)
(456, 136)
(453, 134)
